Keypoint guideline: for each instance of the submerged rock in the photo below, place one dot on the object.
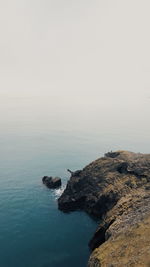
(116, 189)
(51, 182)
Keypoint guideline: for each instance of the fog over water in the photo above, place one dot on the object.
(80, 63)
(74, 83)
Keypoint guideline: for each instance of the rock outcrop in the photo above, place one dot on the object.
(51, 182)
(115, 189)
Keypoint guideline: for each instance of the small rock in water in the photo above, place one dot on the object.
(51, 182)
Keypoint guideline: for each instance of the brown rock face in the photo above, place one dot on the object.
(51, 182)
(116, 189)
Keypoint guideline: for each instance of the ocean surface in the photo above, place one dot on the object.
(43, 135)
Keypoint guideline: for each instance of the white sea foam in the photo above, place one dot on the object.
(58, 192)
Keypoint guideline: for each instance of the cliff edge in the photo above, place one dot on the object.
(115, 189)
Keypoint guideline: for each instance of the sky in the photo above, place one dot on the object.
(75, 50)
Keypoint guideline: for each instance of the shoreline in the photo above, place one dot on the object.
(115, 189)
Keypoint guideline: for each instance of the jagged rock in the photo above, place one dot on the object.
(76, 173)
(116, 189)
(112, 154)
(51, 182)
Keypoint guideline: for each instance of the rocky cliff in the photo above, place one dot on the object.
(116, 189)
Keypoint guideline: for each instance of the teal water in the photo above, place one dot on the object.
(41, 136)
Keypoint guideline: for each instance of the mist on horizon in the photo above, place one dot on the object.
(76, 67)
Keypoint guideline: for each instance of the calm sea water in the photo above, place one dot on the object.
(45, 136)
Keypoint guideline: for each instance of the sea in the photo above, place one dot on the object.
(45, 135)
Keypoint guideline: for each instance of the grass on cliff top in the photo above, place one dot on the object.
(129, 249)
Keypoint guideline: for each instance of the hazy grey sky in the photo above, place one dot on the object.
(79, 48)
